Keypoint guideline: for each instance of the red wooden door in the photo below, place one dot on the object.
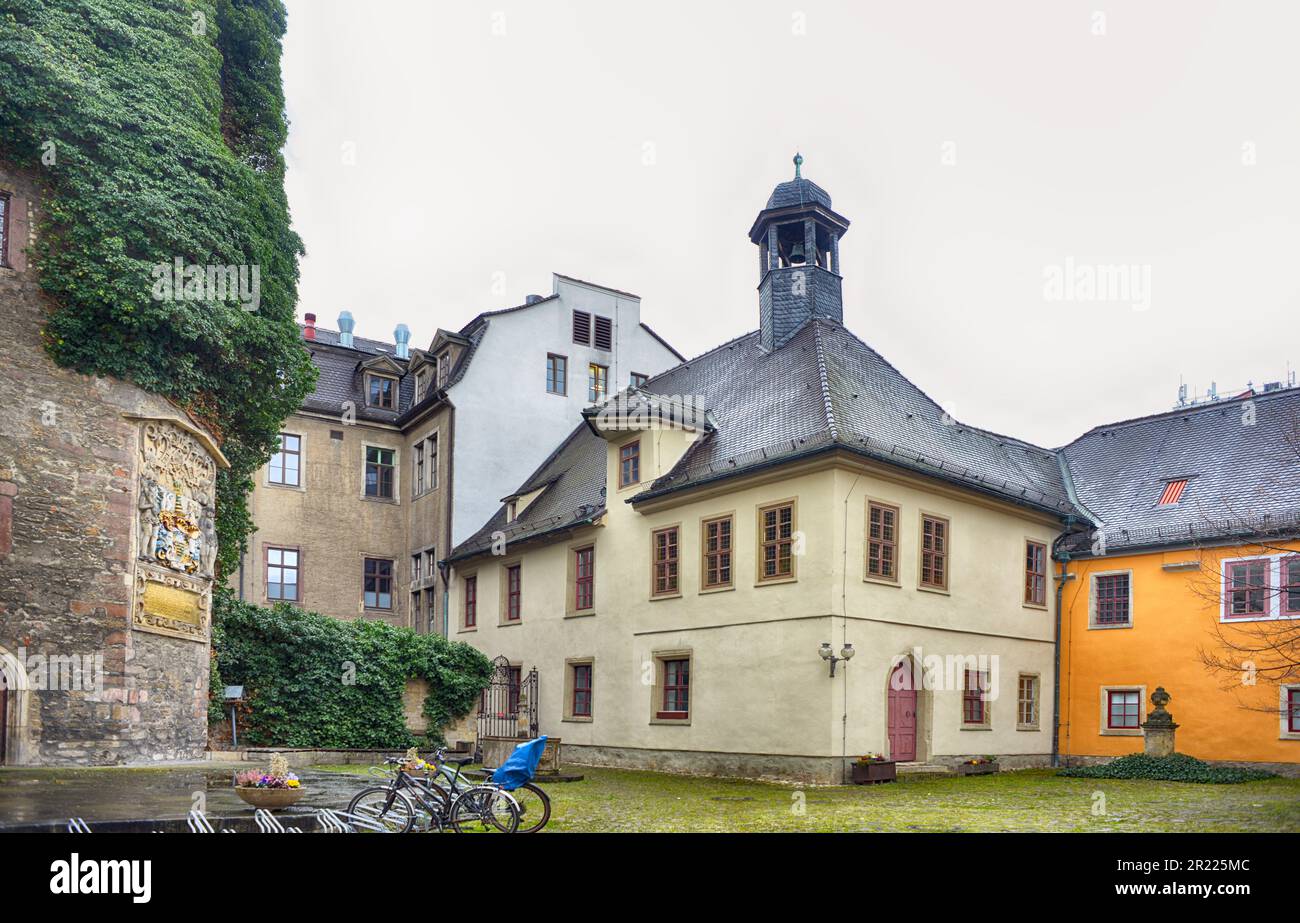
(902, 716)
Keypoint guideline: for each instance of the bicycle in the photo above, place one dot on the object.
(481, 808)
(534, 804)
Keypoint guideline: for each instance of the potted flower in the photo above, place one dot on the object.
(978, 766)
(871, 768)
(276, 787)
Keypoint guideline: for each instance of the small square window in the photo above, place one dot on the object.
(1248, 588)
(381, 392)
(1111, 599)
(1123, 709)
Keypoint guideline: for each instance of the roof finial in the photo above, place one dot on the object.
(798, 162)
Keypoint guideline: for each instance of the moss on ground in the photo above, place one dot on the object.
(1030, 800)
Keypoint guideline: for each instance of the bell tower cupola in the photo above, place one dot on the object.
(798, 238)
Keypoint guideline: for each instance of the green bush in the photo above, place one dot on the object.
(1176, 768)
(315, 681)
(155, 128)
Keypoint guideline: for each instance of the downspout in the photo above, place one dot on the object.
(451, 508)
(1071, 520)
(1064, 558)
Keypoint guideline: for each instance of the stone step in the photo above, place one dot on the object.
(921, 767)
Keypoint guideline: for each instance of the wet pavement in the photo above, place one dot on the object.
(109, 794)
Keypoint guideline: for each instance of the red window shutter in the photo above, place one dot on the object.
(604, 333)
(582, 328)
(1173, 492)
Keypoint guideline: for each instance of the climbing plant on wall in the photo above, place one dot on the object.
(315, 681)
(155, 128)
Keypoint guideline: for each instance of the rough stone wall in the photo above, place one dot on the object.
(68, 468)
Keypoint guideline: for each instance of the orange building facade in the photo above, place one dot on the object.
(1135, 622)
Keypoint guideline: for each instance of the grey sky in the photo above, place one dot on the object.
(973, 145)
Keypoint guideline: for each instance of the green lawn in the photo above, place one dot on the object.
(1031, 800)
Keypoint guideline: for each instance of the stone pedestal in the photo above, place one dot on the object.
(1158, 729)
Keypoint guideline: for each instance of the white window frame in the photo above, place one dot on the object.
(302, 464)
(1272, 593)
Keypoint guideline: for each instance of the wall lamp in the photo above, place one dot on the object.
(846, 653)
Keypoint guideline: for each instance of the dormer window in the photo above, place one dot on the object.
(421, 385)
(444, 368)
(512, 511)
(1173, 492)
(381, 391)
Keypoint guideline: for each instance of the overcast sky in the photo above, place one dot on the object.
(445, 159)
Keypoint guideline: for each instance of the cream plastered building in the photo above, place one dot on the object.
(682, 566)
(400, 453)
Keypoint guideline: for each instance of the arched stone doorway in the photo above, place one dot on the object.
(14, 729)
(907, 704)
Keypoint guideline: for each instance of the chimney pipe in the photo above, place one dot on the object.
(309, 326)
(402, 339)
(346, 323)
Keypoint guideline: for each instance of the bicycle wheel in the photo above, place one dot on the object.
(433, 804)
(483, 809)
(384, 807)
(534, 807)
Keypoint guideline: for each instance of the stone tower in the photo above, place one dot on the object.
(798, 238)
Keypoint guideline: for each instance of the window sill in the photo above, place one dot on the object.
(1109, 627)
(581, 614)
(571, 719)
(658, 720)
(941, 591)
(882, 581)
(1228, 619)
(369, 499)
(379, 610)
(654, 598)
(508, 623)
(717, 589)
(1291, 735)
(298, 487)
(1121, 732)
(466, 631)
(776, 581)
(1028, 727)
(1041, 607)
(977, 727)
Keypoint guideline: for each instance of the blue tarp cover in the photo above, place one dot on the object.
(520, 765)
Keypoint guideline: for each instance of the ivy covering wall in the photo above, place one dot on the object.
(315, 681)
(155, 128)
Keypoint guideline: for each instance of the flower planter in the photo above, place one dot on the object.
(877, 771)
(269, 798)
(976, 769)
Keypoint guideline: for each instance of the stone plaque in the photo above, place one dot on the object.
(171, 604)
(176, 541)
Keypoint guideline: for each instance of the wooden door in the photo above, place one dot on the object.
(902, 716)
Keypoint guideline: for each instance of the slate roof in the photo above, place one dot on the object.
(825, 389)
(1242, 481)
(341, 381)
(798, 191)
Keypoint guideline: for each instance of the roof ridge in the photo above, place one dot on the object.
(827, 406)
(707, 352)
(1190, 410)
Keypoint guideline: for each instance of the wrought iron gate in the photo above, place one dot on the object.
(508, 706)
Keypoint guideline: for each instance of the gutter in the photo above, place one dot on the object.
(939, 475)
(566, 527)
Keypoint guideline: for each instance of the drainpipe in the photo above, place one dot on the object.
(1064, 558)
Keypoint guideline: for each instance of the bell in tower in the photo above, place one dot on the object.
(798, 238)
